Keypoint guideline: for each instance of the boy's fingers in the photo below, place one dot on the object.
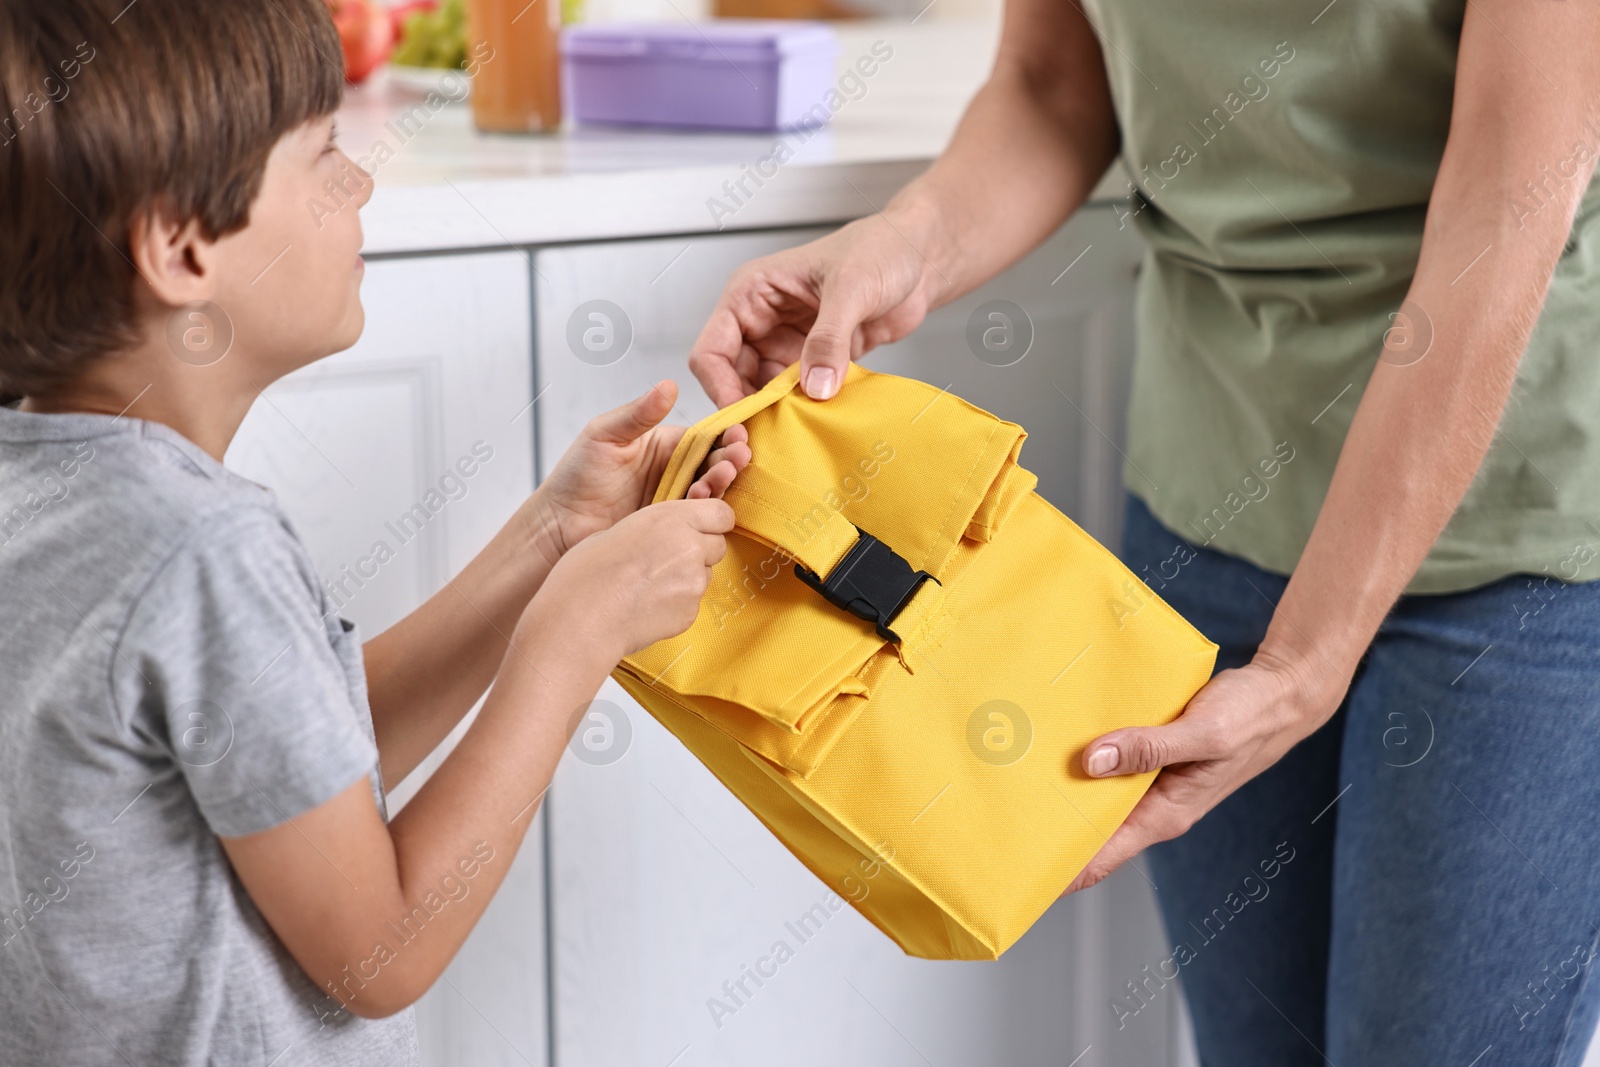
(719, 468)
(637, 417)
(716, 548)
(737, 454)
(714, 482)
(734, 444)
(707, 515)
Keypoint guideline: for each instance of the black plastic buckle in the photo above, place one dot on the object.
(872, 582)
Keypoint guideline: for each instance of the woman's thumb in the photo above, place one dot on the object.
(829, 343)
(1141, 749)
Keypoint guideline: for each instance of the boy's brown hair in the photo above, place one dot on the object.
(110, 109)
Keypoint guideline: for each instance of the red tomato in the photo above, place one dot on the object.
(367, 34)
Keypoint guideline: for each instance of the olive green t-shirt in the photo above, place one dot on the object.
(1284, 153)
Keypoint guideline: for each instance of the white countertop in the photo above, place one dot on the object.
(443, 185)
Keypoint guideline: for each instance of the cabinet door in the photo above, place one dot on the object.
(664, 888)
(361, 448)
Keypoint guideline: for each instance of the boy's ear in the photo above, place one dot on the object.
(176, 260)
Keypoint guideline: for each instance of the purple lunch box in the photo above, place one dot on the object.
(729, 74)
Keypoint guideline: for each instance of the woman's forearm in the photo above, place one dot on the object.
(1427, 418)
(1418, 437)
(426, 671)
(1028, 151)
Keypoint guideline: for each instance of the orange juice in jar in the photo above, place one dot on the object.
(516, 87)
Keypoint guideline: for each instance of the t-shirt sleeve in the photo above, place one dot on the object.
(226, 665)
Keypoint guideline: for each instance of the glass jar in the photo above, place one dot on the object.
(517, 88)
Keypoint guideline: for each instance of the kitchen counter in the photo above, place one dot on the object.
(442, 185)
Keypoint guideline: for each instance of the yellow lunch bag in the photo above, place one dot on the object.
(905, 650)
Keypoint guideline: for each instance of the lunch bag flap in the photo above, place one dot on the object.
(819, 579)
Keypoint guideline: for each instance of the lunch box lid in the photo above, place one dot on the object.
(714, 40)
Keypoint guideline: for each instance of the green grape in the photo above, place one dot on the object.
(435, 38)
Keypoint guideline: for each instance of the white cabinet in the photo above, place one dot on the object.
(662, 886)
(361, 449)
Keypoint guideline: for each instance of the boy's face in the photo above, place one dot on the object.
(290, 280)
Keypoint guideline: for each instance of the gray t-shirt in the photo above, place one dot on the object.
(170, 671)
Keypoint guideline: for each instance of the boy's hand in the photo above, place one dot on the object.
(641, 579)
(613, 467)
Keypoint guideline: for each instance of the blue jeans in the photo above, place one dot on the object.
(1417, 882)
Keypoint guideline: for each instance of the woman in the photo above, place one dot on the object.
(1356, 216)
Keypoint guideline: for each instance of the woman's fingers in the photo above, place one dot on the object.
(1231, 714)
(752, 323)
(1157, 817)
(1171, 804)
(1117, 851)
(1239, 723)
(717, 357)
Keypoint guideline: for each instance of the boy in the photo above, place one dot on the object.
(198, 864)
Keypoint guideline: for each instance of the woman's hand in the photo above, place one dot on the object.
(613, 467)
(1239, 724)
(1032, 144)
(823, 303)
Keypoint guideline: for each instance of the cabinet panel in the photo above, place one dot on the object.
(363, 450)
(665, 891)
